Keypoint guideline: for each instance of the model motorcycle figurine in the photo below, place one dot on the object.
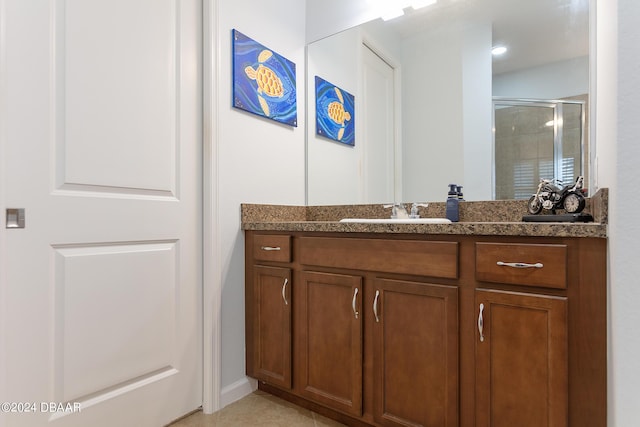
(551, 197)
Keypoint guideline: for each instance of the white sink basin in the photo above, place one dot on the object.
(398, 220)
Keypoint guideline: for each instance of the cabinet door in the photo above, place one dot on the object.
(415, 354)
(330, 339)
(521, 360)
(272, 325)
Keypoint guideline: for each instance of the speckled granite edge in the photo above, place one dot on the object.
(499, 217)
(556, 229)
(272, 213)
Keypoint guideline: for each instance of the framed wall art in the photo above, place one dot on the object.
(264, 82)
(335, 114)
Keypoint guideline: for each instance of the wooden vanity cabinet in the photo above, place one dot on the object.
(436, 331)
(330, 343)
(541, 333)
(415, 353)
(369, 342)
(268, 301)
(521, 360)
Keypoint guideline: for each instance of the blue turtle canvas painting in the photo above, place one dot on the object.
(264, 82)
(335, 112)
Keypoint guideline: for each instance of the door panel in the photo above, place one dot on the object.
(379, 127)
(330, 340)
(116, 93)
(102, 147)
(136, 281)
(272, 325)
(416, 354)
(521, 360)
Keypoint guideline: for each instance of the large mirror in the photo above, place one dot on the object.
(433, 106)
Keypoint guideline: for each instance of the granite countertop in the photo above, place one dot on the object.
(491, 218)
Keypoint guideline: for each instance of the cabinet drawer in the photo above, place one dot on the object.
(272, 247)
(543, 265)
(435, 259)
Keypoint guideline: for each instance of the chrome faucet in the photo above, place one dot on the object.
(414, 209)
(397, 210)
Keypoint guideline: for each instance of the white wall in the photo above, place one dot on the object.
(446, 111)
(618, 153)
(477, 113)
(432, 113)
(260, 161)
(551, 81)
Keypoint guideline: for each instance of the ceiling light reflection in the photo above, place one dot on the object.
(499, 50)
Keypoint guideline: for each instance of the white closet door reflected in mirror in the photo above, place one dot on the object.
(378, 129)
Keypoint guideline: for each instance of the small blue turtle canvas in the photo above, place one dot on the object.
(335, 115)
(264, 83)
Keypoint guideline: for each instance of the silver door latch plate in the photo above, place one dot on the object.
(15, 218)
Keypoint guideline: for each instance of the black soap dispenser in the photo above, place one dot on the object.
(452, 209)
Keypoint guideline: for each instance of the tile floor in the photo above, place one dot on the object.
(258, 409)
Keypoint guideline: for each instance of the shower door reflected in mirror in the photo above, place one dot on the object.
(535, 140)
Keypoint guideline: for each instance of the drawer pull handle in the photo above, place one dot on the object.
(481, 322)
(353, 302)
(270, 248)
(520, 264)
(284, 291)
(375, 306)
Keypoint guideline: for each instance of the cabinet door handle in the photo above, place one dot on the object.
(284, 291)
(520, 264)
(353, 302)
(481, 323)
(270, 248)
(375, 306)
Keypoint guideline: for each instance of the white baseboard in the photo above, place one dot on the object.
(237, 391)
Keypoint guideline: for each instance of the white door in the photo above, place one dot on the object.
(100, 114)
(378, 107)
